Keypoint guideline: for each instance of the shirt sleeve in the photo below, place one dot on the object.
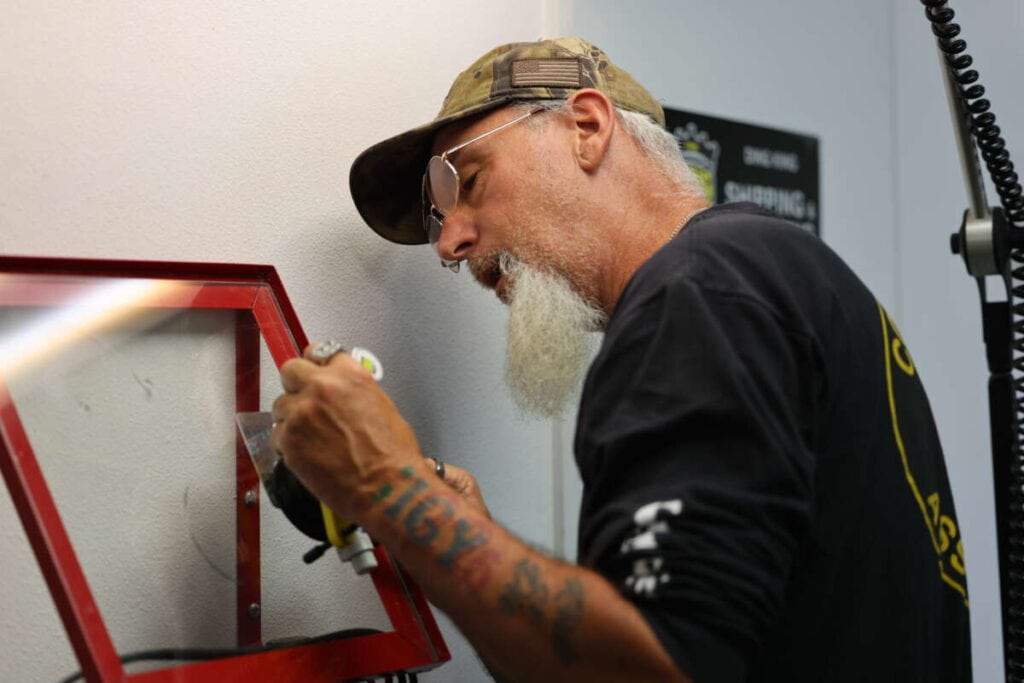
(695, 443)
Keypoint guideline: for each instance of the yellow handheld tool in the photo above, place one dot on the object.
(286, 492)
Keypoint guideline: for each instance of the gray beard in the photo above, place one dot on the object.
(550, 343)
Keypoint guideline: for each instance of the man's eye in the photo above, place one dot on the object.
(469, 182)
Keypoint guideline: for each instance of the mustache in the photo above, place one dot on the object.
(488, 268)
(484, 266)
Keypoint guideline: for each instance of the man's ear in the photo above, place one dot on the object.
(594, 122)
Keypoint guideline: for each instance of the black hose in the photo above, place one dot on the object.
(201, 654)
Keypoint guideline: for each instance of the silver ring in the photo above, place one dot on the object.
(323, 351)
(439, 468)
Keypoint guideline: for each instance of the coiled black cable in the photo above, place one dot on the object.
(983, 122)
(1004, 178)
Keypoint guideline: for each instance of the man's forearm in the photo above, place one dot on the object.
(529, 616)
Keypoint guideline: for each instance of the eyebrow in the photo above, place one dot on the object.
(466, 157)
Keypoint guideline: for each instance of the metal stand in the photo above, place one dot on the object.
(986, 240)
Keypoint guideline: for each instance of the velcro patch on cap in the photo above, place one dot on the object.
(551, 73)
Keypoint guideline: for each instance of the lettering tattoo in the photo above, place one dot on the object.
(421, 528)
(461, 542)
(383, 492)
(423, 520)
(395, 509)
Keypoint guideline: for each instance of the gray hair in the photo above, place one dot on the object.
(656, 142)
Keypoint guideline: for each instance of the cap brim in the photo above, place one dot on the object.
(386, 179)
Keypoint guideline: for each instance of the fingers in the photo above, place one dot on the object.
(463, 483)
(459, 479)
(439, 467)
(316, 359)
(295, 374)
(304, 381)
(298, 372)
(281, 408)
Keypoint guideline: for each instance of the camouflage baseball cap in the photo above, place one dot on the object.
(386, 179)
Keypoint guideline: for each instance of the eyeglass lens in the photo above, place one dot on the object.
(443, 185)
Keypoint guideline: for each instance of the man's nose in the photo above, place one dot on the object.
(458, 236)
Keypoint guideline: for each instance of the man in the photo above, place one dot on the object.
(764, 494)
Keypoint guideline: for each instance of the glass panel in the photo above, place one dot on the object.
(129, 404)
(130, 419)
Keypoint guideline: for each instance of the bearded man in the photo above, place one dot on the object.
(765, 497)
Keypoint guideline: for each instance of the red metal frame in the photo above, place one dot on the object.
(256, 294)
(247, 484)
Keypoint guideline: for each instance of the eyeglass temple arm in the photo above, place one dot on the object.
(503, 126)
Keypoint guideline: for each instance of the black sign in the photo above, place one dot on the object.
(738, 162)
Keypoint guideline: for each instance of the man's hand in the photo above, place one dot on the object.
(339, 432)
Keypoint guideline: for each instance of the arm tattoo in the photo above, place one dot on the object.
(423, 517)
(568, 613)
(470, 558)
(525, 593)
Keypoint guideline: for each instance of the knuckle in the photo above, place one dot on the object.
(327, 386)
(287, 368)
(303, 411)
(359, 376)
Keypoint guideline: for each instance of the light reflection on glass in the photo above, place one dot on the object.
(95, 307)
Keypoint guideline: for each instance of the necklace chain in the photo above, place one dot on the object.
(686, 219)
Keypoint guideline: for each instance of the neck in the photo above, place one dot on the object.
(633, 235)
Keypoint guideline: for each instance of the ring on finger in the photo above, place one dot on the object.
(322, 352)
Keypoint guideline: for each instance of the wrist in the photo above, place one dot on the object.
(398, 500)
(424, 523)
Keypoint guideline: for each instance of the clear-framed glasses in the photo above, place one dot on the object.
(441, 182)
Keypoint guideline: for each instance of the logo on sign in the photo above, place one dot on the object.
(701, 154)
